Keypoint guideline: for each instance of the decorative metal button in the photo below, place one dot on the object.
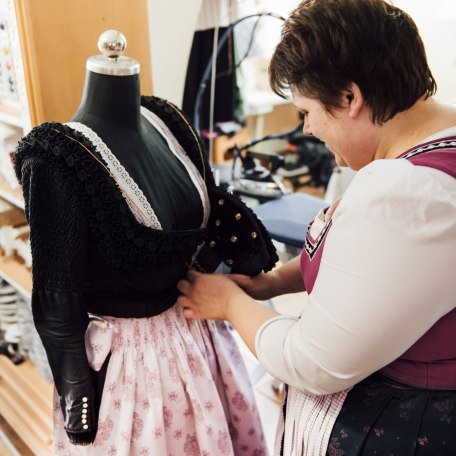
(85, 426)
(229, 262)
(233, 239)
(238, 216)
(84, 399)
(212, 244)
(253, 234)
(221, 202)
(218, 222)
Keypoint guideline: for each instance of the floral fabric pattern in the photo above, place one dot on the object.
(173, 387)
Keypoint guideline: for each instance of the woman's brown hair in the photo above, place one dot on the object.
(328, 44)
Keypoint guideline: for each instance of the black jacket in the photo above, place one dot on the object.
(91, 255)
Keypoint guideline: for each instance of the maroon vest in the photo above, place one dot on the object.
(431, 361)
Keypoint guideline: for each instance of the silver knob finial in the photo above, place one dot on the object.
(112, 43)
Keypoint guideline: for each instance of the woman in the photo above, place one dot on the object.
(371, 362)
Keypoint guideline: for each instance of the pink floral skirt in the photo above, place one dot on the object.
(173, 387)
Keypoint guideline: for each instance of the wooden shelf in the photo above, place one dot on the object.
(25, 397)
(26, 404)
(13, 196)
(10, 443)
(16, 274)
(11, 115)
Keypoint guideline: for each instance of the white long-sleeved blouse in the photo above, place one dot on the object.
(387, 274)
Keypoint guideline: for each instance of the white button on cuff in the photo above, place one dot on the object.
(85, 426)
(84, 399)
(84, 421)
(85, 405)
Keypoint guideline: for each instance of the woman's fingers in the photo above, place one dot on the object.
(192, 275)
(189, 313)
(183, 301)
(186, 305)
(205, 296)
(184, 286)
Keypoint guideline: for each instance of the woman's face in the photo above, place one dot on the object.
(350, 138)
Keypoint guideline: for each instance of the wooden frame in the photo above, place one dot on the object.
(56, 39)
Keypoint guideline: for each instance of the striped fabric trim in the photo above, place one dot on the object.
(310, 420)
(310, 247)
(436, 145)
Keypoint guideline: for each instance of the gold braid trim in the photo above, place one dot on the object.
(88, 150)
(192, 132)
(104, 166)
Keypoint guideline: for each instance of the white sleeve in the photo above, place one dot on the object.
(386, 276)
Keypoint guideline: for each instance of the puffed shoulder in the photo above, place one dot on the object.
(236, 237)
(36, 144)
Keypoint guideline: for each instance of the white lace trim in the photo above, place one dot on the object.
(134, 196)
(182, 156)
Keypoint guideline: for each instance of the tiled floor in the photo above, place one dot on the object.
(263, 383)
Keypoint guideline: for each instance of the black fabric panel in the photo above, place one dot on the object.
(225, 86)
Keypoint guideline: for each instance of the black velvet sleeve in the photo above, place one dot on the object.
(58, 232)
(236, 237)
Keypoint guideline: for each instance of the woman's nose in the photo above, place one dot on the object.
(306, 129)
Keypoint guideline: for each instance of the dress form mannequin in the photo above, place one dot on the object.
(132, 374)
(110, 107)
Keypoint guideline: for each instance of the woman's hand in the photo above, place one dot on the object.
(286, 279)
(208, 295)
(216, 297)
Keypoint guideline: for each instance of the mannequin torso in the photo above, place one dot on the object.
(110, 107)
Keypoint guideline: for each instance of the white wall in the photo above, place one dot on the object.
(171, 27)
(436, 21)
(172, 24)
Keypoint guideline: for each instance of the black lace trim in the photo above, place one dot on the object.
(122, 241)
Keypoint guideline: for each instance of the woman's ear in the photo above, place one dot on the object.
(353, 100)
